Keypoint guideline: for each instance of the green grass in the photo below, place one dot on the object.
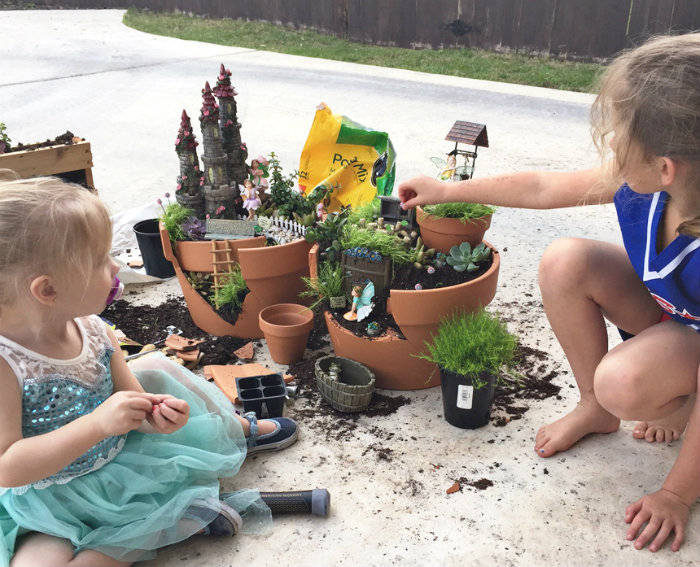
(463, 211)
(368, 211)
(174, 214)
(473, 63)
(470, 344)
(379, 241)
(229, 293)
(328, 284)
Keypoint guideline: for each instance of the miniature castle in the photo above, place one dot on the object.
(206, 191)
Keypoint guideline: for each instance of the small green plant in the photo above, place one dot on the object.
(328, 233)
(199, 280)
(471, 344)
(328, 284)
(462, 211)
(229, 294)
(462, 257)
(366, 212)
(174, 215)
(386, 244)
(287, 202)
(4, 139)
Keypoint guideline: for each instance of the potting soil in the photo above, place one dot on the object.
(62, 140)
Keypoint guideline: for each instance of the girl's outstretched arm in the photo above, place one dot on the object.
(27, 460)
(529, 190)
(668, 509)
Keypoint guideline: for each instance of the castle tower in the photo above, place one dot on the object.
(189, 192)
(217, 191)
(230, 128)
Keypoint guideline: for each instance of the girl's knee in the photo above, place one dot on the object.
(563, 261)
(41, 549)
(617, 385)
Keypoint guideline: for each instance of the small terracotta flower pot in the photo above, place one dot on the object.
(286, 327)
(443, 233)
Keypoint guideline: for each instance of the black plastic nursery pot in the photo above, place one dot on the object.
(148, 238)
(254, 391)
(466, 406)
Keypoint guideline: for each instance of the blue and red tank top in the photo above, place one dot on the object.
(672, 276)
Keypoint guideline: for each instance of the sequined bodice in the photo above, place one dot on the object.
(55, 392)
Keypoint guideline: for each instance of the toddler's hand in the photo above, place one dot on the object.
(421, 190)
(122, 411)
(663, 512)
(169, 413)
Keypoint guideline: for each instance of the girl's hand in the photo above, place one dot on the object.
(664, 512)
(169, 413)
(122, 411)
(421, 190)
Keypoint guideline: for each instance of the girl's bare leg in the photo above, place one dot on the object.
(652, 376)
(37, 550)
(583, 281)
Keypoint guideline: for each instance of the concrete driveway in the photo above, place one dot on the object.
(124, 91)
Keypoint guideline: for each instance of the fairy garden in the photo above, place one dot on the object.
(254, 248)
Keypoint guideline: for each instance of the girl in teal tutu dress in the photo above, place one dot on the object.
(99, 465)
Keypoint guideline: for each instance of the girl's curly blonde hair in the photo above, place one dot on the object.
(649, 98)
(48, 226)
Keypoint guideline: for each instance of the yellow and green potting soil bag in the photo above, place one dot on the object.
(350, 163)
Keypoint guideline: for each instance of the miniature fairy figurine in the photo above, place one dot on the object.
(252, 200)
(259, 172)
(449, 172)
(361, 302)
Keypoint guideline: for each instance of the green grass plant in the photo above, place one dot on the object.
(379, 241)
(368, 211)
(174, 214)
(229, 293)
(328, 284)
(461, 62)
(470, 344)
(462, 211)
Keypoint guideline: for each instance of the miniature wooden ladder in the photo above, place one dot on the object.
(219, 247)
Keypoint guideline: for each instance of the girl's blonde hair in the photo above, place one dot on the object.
(649, 98)
(49, 227)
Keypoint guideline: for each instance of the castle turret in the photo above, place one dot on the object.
(217, 191)
(188, 191)
(230, 127)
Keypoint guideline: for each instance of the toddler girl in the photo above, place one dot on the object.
(648, 113)
(99, 467)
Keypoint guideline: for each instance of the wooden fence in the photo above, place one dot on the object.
(571, 28)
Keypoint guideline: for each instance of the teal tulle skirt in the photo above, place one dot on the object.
(159, 490)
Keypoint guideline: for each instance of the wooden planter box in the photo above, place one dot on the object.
(72, 162)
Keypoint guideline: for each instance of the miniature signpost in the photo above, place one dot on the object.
(223, 229)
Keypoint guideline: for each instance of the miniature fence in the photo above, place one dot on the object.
(286, 224)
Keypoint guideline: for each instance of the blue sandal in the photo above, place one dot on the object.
(284, 435)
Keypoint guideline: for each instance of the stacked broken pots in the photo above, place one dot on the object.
(417, 313)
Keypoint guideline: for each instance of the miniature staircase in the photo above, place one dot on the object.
(222, 267)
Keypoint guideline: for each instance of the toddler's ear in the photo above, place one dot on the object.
(42, 290)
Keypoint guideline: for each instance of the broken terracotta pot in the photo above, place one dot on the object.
(418, 314)
(272, 273)
(443, 233)
(286, 327)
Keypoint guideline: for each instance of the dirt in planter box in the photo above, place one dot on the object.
(67, 139)
(406, 277)
(146, 324)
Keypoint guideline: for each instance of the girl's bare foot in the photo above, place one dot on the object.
(667, 429)
(587, 417)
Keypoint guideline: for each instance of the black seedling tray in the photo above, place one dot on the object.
(254, 391)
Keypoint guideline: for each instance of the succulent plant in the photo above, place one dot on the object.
(462, 257)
